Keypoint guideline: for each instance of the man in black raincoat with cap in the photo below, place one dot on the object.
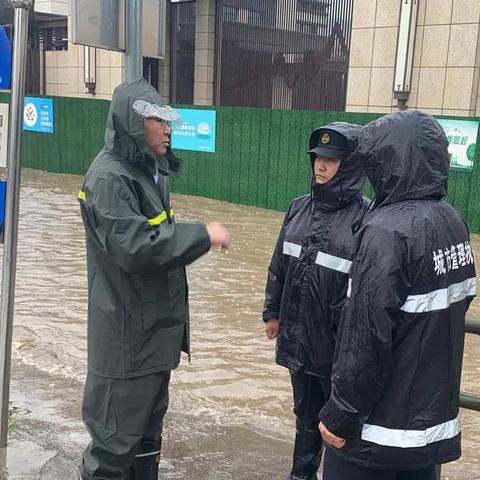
(138, 306)
(394, 408)
(307, 282)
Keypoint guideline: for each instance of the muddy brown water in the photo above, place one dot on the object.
(230, 413)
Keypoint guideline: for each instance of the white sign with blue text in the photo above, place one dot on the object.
(196, 130)
(38, 115)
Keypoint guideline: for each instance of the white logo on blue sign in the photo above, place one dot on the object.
(203, 129)
(30, 115)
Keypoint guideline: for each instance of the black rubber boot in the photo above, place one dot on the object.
(307, 452)
(145, 467)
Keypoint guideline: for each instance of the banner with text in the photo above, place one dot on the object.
(38, 115)
(196, 130)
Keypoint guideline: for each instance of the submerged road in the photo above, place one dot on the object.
(230, 413)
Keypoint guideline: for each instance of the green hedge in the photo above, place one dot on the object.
(260, 158)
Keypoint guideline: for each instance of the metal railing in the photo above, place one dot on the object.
(468, 400)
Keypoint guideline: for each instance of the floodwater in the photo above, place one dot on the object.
(230, 412)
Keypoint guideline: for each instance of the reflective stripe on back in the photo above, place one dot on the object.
(440, 299)
(292, 249)
(390, 437)
(335, 263)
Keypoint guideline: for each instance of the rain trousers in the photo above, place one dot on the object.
(306, 287)
(138, 307)
(398, 360)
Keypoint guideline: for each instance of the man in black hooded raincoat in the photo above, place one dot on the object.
(307, 282)
(138, 306)
(394, 408)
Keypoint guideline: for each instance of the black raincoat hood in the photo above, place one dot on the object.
(405, 155)
(125, 135)
(347, 184)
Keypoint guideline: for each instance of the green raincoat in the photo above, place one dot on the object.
(136, 253)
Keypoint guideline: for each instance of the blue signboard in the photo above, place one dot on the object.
(5, 59)
(196, 131)
(38, 115)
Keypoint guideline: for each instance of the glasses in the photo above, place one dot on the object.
(165, 123)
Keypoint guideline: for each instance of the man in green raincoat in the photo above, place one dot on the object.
(138, 307)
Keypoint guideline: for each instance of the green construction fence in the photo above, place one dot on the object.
(260, 157)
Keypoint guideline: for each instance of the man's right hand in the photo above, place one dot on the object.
(271, 328)
(219, 235)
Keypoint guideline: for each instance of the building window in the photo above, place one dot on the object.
(243, 15)
(306, 27)
(256, 17)
(48, 33)
(315, 7)
(230, 14)
(151, 67)
(283, 54)
(182, 48)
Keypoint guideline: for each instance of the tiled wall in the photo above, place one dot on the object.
(65, 71)
(65, 76)
(204, 52)
(446, 68)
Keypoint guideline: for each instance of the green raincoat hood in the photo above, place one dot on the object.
(125, 135)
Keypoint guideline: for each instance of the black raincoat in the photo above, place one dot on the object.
(398, 361)
(308, 274)
(136, 253)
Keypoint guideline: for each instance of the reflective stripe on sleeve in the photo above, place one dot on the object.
(159, 218)
(440, 299)
(292, 249)
(390, 437)
(334, 263)
(82, 196)
(349, 289)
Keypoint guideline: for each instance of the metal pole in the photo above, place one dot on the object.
(469, 401)
(22, 12)
(133, 40)
(472, 326)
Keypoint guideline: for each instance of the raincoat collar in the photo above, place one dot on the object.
(125, 135)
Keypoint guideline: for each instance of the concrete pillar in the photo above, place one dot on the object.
(204, 52)
(281, 94)
(285, 20)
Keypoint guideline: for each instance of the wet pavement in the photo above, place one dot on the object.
(230, 411)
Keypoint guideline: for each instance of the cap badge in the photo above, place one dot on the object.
(325, 138)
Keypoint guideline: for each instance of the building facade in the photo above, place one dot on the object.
(446, 62)
(287, 54)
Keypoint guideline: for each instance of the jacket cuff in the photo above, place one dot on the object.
(269, 315)
(340, 423)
